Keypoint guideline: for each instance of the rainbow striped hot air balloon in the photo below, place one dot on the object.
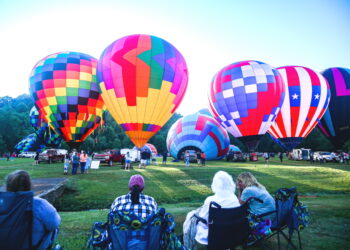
(143, 79)
(65, 91)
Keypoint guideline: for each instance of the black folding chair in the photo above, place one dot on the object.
(228, 227)
(285, 199)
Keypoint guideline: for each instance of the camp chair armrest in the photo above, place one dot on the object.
(254, 198)
(267, 213)
(201, 219)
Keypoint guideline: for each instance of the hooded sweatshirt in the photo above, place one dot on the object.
(223, 188)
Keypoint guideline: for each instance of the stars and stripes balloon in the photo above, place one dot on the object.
(198, 132)
(307, 98)
(245, 97)
(143, 79)
(335, 123)
(65, 91)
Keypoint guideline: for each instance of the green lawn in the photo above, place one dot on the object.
(324, 188)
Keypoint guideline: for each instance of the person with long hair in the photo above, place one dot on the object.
(135, 201)
(45, 217)
(248, 186)
(223, 188)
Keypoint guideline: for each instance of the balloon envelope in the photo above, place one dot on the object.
(148, 147)
(65, 91)
(306, 100)
(30, 143)
(198, 132)
(335, 123)
(245, 97)
(143, 79)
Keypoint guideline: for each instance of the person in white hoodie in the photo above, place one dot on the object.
(224, 189)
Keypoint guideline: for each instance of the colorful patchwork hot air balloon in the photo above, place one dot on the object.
(307, 98)
(143, 79)
(245, 97)
(65, 91)
(335, 123)
(200, 133)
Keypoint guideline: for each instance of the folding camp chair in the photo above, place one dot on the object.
(285, 199)
(228, 227)
(16, 220)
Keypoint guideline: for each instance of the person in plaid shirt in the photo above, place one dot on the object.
(135, 201)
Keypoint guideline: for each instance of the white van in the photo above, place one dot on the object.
(301, 154)
(134, 153)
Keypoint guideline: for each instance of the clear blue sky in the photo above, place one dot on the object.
(209, 34)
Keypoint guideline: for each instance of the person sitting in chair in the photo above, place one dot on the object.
(248, 187)
(135, 201)
(45, 217)
(223, 188)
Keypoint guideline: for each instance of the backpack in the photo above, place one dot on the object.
(16, 218)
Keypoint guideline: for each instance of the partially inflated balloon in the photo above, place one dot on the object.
(143, 79)
(64, 88)
(30, 143)
(245, 98)
(335, 123)
(307, 98)
(200, 133)
(148, 147)
(45, 134)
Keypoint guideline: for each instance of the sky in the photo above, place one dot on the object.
(209, 34)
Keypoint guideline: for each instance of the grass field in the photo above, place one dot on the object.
(324, 188)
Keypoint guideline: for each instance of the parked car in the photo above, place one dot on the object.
(27, 155)
(326, 156)
(192, 153)
(52, 155)
(109, 157)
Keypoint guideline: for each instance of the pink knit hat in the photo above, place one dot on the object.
(136, 180)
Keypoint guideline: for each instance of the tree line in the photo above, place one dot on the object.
(15, 125)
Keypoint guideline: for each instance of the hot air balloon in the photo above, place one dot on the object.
(149, 147)
(65, 91)
(245, 97)
(143, 79)
(45, 134)
(200, 133)
(335, 123)
(307, 98)
(30, 143)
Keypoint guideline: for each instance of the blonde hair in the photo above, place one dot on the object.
(248, 180)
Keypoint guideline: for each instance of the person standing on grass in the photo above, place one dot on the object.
(199, 158)
(281, 156)
(187, 158)
(83, 158)
(36, 159)
(88, 164)
(165, 156)
(203, 158)
(75, 163)
(66, 164)
(127, 161)
(266, 157)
